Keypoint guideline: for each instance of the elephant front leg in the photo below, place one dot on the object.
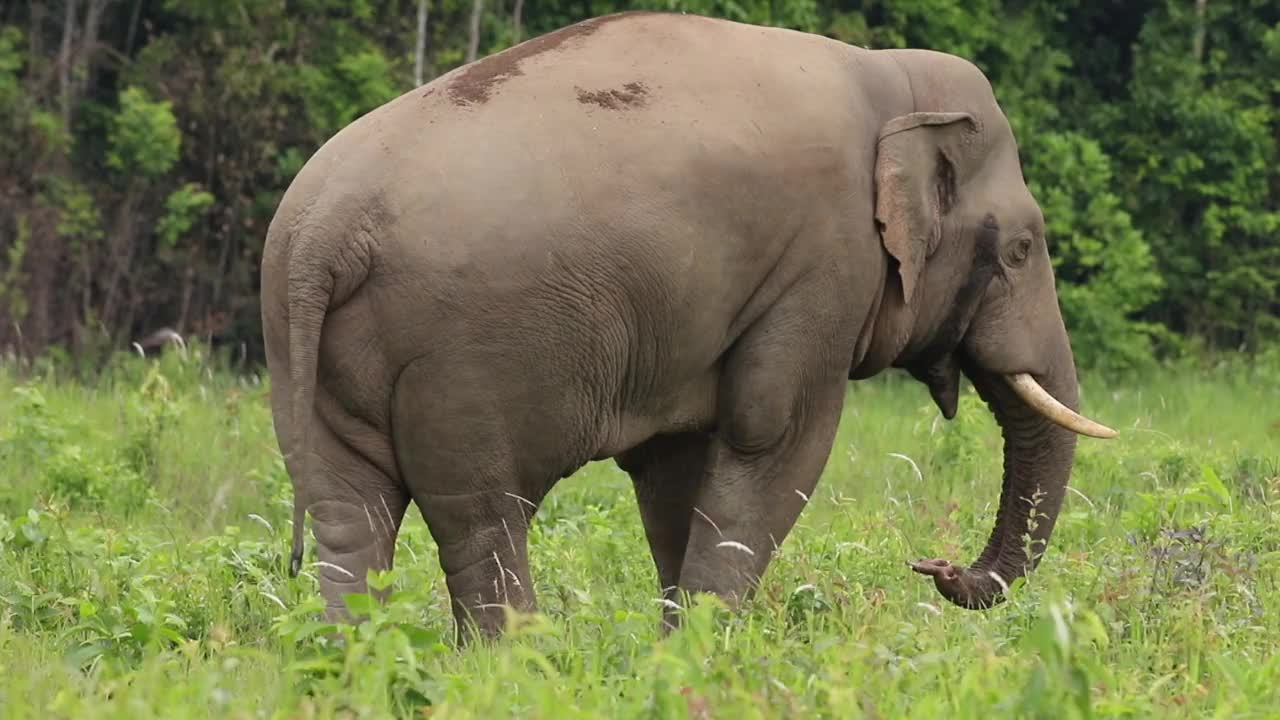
(667, 471)
(780, 406)
(747, 505)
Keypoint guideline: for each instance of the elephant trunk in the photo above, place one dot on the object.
(1038, 455)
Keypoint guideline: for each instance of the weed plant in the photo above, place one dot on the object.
(144, 536)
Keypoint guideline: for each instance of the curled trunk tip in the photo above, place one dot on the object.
(965, 587)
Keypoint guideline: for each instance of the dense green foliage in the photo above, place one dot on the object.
(144, 526)
(144, 145)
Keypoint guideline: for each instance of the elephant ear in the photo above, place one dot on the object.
(918, 158)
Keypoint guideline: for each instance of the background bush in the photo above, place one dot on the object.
(144, 145)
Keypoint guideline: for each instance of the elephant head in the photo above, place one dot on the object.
(970, 289)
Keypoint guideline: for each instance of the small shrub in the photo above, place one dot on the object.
(85, 480)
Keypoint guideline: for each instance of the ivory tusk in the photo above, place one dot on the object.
(1042, 402)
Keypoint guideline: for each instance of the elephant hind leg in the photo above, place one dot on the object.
(455, 456)
(356, 512)
(484, 555)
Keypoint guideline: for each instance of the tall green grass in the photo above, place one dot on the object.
(144, 521)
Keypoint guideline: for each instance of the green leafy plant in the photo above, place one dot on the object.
(390, 637)
(183, 208)
(144, 137)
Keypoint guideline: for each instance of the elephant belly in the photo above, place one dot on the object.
(689, 407)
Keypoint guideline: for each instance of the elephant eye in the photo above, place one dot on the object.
(1018, 251)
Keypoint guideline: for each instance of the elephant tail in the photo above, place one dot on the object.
(308, 302)
(324, 271)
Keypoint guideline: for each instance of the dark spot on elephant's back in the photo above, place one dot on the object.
(476, 82)
(633, 94)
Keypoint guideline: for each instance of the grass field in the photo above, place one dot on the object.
(144, 526)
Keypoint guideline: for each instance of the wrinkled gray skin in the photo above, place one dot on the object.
(664, 239)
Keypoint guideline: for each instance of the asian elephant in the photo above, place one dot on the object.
(664, 239)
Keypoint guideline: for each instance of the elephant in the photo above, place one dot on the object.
(669, 240)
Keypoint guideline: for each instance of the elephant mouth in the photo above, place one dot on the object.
(942, 377)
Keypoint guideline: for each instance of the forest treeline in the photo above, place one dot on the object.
(144, 145)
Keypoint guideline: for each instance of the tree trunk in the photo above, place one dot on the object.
(65, 62)
(35, 45)
(188, 285)
(74, 58)
(1197, 41)
(88, 46)
(133, 28)
(473, 42)
(120, 248)
(420, 54)
(517, 27)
